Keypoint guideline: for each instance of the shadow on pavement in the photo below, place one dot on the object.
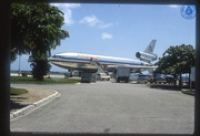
(165, 87)
(15, 105)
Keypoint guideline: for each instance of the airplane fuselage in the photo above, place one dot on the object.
(93, 63)
(79, 61)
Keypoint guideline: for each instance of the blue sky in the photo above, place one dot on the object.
(120, 30)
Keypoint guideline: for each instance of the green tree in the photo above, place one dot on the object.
(176, 60)
(39, 67)
(36, 29)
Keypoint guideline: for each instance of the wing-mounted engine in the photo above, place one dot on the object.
(147, 57)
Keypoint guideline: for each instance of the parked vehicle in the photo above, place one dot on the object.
(159, 78)
(103, 76)
(185, 78)
(139, 78)
(170, 79)
(143, 78)
(134, 77)
(121, 74)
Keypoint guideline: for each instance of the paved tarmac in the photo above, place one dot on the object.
(105, 107)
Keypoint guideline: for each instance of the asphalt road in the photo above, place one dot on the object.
(106, 107)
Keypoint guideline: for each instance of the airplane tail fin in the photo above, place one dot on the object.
(150, 47)
(148, 54)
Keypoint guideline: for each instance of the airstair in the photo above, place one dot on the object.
(99, 66)
(92, 77)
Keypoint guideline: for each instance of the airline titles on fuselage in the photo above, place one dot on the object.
(85, 56)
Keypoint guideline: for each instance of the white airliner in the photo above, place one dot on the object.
(89, 63)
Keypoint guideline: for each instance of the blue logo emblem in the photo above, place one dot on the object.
(188, 10)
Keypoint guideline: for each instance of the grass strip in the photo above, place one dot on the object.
(17, 91)
(30, 80)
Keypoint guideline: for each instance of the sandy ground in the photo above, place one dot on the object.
(22, 100)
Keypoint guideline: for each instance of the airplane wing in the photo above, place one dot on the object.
(133, 68)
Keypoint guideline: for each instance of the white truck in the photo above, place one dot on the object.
(103, 76)
(121, 74)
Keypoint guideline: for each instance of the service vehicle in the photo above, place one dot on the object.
(121, 74)
(103, 76)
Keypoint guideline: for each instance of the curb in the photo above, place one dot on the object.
(34, 105)
(188, 93)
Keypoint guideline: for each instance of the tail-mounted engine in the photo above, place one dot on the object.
(148, 57)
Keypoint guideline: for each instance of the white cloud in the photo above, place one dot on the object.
(90, 20)
(93, 21)
(102, 26)
(105, 36)
(66, 5)
(66, 8)
(173, 6)
(68, 17)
